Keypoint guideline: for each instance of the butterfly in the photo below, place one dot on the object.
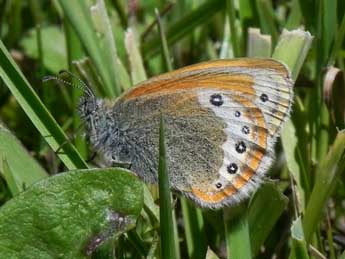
(221, 120)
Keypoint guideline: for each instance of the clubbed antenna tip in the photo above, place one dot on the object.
(82, 86)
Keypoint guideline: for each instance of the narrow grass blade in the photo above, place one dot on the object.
(234, 35)
(267, 18)
(70, 214)
(237, 232)
(298, 42)
(166, 220)
(295, 16)
(83, 25)
(19, 168)
(138, 73)
(164, 43)
(74, 52)
(184, 26)
(339, 39)
(107, 42)
(328, 173)
(261, 221)
(36, 111)
(194, 230)
(259, 45)
(299, 249)
(295, 144)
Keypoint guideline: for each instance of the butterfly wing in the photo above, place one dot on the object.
(221, 119)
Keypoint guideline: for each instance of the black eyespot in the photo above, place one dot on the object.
(240, 147)
(245, 129)
(232, 168)
(216, 99)
(264, 97)
(219, 185)
(237, 114)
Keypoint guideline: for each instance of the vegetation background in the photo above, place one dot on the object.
(114, 44)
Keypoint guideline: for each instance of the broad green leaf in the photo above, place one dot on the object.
(69, 214)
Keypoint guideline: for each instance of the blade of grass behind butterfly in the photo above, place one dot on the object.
(261, 221)
(166, 217)
(167, 62)
(102, 25)
(295, 16)
(20, 169)
(231, 14)
(267, 18)
(299, 249)
(237, 232)
(37, 112)
(74, 52)
(85, 28)
(328, 173)
(298, 43)
(202, 14)
(259, 45)
(138, 73)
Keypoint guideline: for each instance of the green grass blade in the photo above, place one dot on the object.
(259, 45)
(184, 26)
(267, 18)
(194, 230)
(261, 221)
(237, 232)
(138, 73)
(74, 52)
(164, 43)
(235, 43)
(36, 111)
(298, 42)
(328, 173)
(294, 141)
(299, 249)
(83, 25)
(20, 169)
(166, 220)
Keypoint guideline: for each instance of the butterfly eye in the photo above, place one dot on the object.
(245, 129)
(216, 99)
(218, 185)
(237, 114)
(240, 147)
(232, 168)
(264, 97)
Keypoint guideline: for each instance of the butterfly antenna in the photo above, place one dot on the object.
(82, 86)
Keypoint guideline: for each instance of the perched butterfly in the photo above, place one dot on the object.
(221, 121)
